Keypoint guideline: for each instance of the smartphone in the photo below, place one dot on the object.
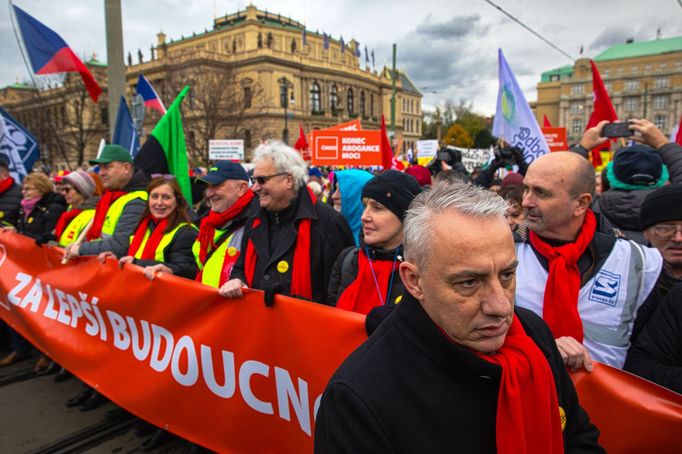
(617, 130)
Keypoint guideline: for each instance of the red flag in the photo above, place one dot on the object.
(678, 137)
(302, 144)
(545, 121)
(386, 150)
(602, 110)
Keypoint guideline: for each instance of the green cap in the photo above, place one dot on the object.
(111, 153)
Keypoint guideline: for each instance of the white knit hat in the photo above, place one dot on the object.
(83, 182)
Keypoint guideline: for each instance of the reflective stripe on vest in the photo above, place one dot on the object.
(225, 256)
(607, 303)
(116, 210)
(75, 227)
(163, 244)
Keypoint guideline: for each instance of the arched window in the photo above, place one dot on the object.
(315, 104)
(333, 99)
(350, 102)
(363, 111)
(371, 105)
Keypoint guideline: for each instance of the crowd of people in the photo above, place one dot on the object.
(473, 285)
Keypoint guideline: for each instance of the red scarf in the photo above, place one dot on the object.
(6, 184)
(560, 303)
(153, 241)
(64, 220)
(528, 419)
(301, 285)
(364, 293)
(214, 220)
(101, 209)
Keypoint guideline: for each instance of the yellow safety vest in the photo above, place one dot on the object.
(75, 227)
(213, 268)
(163, 244)
(116, 210)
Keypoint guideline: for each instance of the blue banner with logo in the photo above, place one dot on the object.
(514, 121)
(17, 146)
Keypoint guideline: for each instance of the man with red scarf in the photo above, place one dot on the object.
(291, 243)
(218, 245)
(120, 207)
(456, 367)
(10, 195)
(587, 285)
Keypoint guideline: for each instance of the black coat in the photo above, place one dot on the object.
(409, 389)
(10, 205)
(657, 353)
(178, 254)
(43, 219)
(329, 235)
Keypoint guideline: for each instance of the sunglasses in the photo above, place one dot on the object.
(264, 179)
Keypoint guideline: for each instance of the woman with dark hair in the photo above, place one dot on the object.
(163, 239)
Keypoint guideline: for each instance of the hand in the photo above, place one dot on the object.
(649, 134)
(592, 138)
(150, 271)
(127, 259)
(574, 354)
(8, 228)
(232, 289)
(445, 166)
(72, 250)
(104, 256)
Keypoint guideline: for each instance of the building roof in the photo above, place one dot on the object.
(94, 62)
(407, 83)
(19, 86)
(562, 71)
(641, 49)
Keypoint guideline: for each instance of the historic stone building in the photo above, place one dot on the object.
(258, 75)
(644, 80)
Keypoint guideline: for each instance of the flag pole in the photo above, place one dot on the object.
(41, 103)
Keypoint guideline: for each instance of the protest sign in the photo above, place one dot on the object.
(556, 138)
(351, 148)
(232, 150)
(427, 148)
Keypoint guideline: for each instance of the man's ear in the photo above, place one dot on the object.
(409, 274)
(583, 202)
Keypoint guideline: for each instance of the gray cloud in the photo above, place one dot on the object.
(458, 27)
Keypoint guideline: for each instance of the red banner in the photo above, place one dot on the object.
(234, 375)
(351, 148)
(555, 138)
(231, 375)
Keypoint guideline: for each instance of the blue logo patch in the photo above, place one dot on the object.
(605, 288)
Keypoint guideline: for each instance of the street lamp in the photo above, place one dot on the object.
(285, 99)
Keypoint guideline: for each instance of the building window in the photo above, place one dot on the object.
(554, 78)
(661, 82)
(576, 108)
(283, 95)
(634, 69)
(661, 122)
(247, 97)
(315, 104)
(363, 110)
(350, 102)
(576, 126)
(333, 99)
(608, 86)
(660, 102)
(247, 139)
(104, 115)
(631, 84)
(371, 105)
(577, 89)
(630, 104)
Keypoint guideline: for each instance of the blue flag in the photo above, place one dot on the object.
(326, 40)
(17, 146)
(125, 134)
(514, 121)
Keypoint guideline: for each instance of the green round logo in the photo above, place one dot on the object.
(508, 104)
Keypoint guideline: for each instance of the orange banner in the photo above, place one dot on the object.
(556, 138)
(351, 148)
(234, 375)
(231, 375)
(353, 125)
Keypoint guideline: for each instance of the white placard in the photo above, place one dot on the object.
(232, 149)
(427, 148)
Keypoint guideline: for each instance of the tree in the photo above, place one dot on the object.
(458, 137)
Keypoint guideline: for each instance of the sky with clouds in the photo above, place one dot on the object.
(448, 47)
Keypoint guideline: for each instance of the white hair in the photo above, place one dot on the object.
(285, 160)
(467, 199)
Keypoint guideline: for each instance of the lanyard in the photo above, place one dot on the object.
(376, 282)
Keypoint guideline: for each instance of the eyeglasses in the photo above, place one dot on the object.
(165, 176)
(264, 179)
(28, 188)
(666, 231)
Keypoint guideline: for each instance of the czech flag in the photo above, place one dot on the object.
(49, 53)
(151, 99)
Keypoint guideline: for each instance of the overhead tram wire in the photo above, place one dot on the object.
(548, 42)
